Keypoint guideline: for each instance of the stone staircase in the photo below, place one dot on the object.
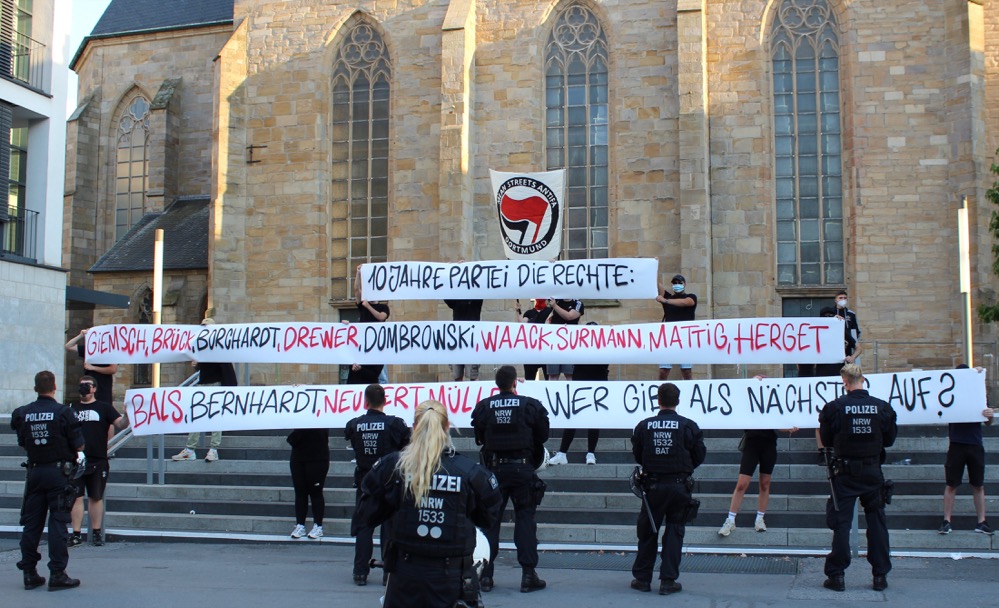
(247, 494)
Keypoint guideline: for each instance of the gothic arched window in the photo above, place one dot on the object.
(360, 146)
(808, 155)
(131, 165)
(577, 127)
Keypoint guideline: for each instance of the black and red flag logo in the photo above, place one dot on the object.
(529, 216)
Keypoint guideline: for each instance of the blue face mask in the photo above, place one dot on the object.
(678, 287)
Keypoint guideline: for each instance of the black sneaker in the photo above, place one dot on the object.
(880, 582)
(486, 584)
(360, 580)
(984, 528)
(97, 538)
(75, 540)
(944, 528)
(638, 585)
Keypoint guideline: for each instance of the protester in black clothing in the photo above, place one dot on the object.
(564, 311)
(435, 499)
(209, 374)
(583, 372)
(368, 312)
(97, 421)
(465, 310)
(668, 447)
(372, 435)
(513, 429)
(47, 487)
(678, 306)
(966, 449)
(852, 349)
(103, 374)
(858, 427)
(310, 462)
(538, 313)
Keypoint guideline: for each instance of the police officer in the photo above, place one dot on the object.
(668, 447)
(50, 434)
(512, 430)
(435, 498)
(858, 427)
(372, 435)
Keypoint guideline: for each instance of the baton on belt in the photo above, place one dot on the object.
(638, 490)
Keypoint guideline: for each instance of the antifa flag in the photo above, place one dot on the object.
(530, 211)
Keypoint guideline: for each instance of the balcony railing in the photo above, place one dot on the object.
(19, 234)
(27, 61)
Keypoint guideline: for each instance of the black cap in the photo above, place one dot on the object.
(678, 278)
(827, 311)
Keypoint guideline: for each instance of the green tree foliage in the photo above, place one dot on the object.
(990, 312)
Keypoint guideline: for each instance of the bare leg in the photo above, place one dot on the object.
(949, 494)
(740, 492)
(687, 374)
(96, 514)
(978, 495)
(764, 493)
(76, 515)
(664, 373)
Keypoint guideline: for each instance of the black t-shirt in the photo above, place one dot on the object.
(594, 372)
(671, 314)
(217, 373)
(465, 310)
(965, 433)
(105, 382)
(309, 445)
(576, 305)
(534, 315)
(95, 419)
(367, 317)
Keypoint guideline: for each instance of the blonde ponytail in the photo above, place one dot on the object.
(419, 460)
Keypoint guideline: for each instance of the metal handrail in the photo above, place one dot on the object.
(123, 436)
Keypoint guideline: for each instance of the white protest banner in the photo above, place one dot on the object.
(918, 398)
(747, 341)
(620, 278)
(530, 211)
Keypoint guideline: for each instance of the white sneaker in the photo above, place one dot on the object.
(298, 532)
(316, 532)
(760, 525)
(185, 454)
(212, 455)
(591, 458)
(727, 527)
(558, 458)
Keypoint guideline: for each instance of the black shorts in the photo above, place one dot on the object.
(960, 455)
(758, 451)
(94, 480)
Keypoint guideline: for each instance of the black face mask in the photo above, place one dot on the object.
(86, 389)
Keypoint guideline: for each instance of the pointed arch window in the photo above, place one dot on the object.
(360, 146)
(577, 127)
(131, 165)
(808, 156)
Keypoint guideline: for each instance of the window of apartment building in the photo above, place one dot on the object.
(14, 226)
(577, 127)
(22, 43)
(131, 165)
(359, 146)
(807, 144)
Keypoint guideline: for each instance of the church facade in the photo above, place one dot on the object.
(774, 152)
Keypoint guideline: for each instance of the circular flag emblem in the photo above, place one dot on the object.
(528, 213)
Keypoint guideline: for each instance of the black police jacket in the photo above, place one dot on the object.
(511, 424)
(463, 495)
(48, 431)
(375, 434)
(858, 425)
(668, 444)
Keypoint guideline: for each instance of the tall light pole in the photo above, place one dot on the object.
(964, 253)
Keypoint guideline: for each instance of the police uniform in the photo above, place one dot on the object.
(372, 435)
(858, 427)
(430, 554)
(512, 430)
(669, 447)
(50, 434)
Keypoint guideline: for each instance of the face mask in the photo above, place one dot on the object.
(841, 303)
(86, 389)
(678, 287)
